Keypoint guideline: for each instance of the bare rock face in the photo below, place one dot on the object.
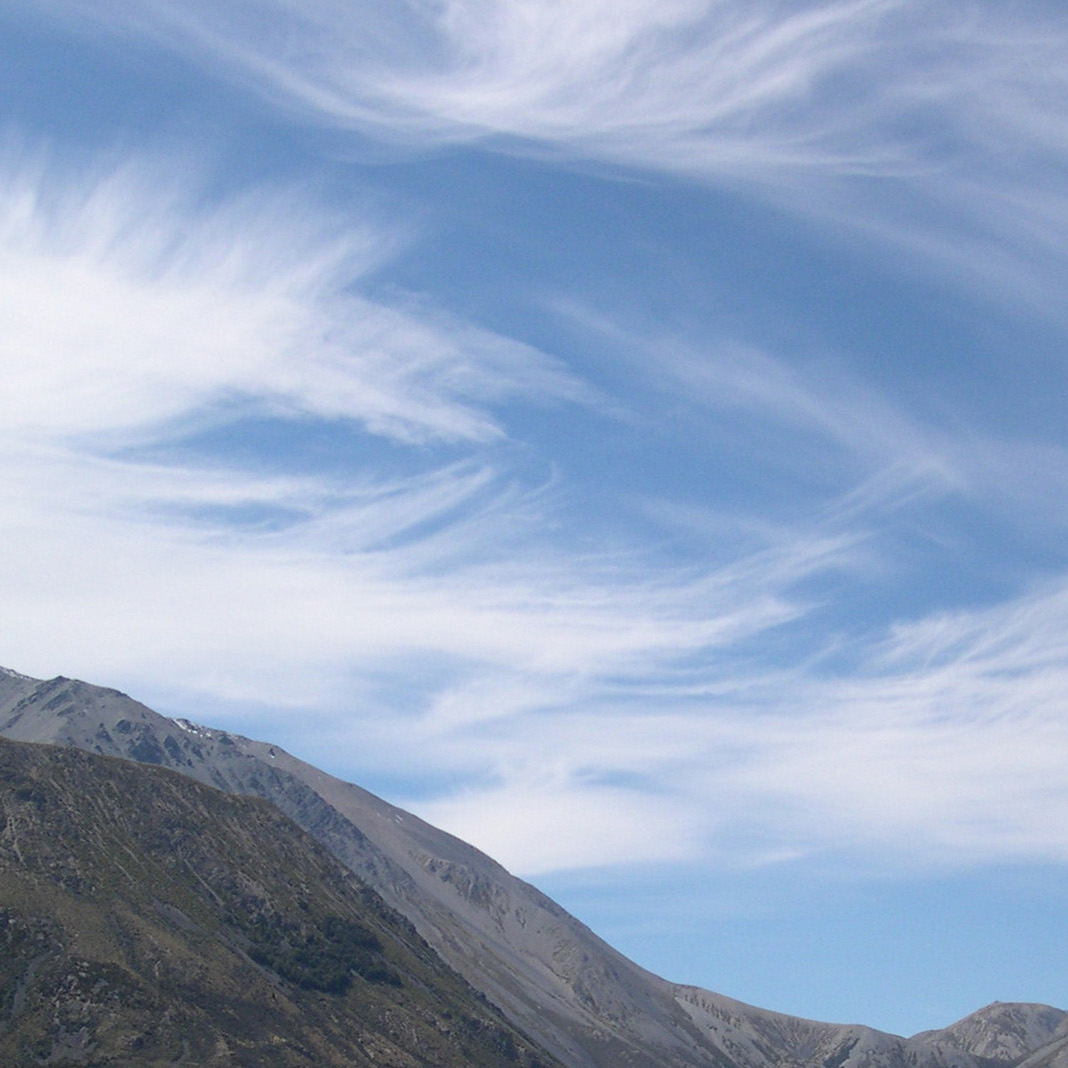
(554, 979)
(999, 1032)
(1052, 1055)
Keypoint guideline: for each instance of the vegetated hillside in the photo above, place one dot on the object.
(555, 980)
(147, 919)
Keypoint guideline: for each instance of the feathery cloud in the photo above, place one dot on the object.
(931, 129)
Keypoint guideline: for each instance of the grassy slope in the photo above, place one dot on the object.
(146, 919)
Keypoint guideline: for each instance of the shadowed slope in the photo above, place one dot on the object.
(147, 919)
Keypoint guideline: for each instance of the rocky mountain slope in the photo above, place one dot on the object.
(146, 919)
(564, 987)
(1003, 1033)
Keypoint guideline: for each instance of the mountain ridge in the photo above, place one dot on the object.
(149, 919)
(559, 983)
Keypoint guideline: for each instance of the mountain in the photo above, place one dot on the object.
(552, 977)
(1003, 1033)
(147, 919)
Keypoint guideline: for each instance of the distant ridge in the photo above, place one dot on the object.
(561, 985)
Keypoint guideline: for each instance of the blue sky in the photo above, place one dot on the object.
(631, 435)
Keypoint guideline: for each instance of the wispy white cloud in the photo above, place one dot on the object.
(818, 398)
(946, 747)
(126, 306)
(554, 826)
(934, 129)
(708, 81)
(137, 316)
(944, 750)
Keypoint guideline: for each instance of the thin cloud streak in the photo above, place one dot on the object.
(870, 457)
(274, 614)
(689, 76)
(944, 750)
(933, 129)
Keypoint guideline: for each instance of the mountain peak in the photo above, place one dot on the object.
(1001, 1031)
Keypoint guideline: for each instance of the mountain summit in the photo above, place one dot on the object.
(556, 981)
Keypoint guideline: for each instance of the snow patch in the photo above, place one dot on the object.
(16, 675)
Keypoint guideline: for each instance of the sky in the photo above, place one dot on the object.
(630, 435)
